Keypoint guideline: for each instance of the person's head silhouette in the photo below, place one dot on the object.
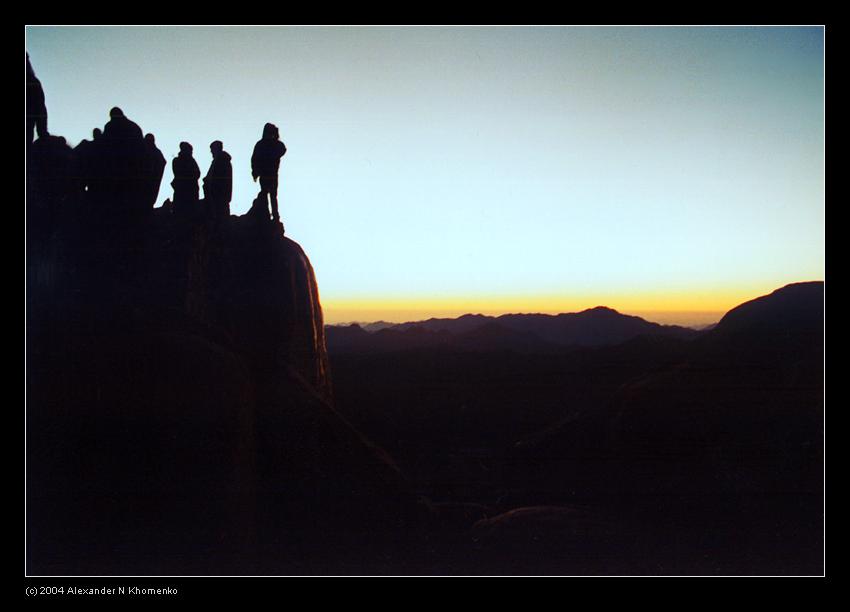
(270, 131)
(96, 133)
(216, 147)
(185, 148)
(150, 138)
(115, 113)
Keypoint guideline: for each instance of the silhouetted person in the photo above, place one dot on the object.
(265, 163)
(36, 108)
(157, 168)
(121, 171)
(185, 183)
(121, 127)
(218, 183)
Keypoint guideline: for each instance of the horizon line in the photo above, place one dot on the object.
(688, 308)
(710, 317)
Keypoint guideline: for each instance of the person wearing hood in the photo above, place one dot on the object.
(265, 163)
(185, 183)
(218, 183)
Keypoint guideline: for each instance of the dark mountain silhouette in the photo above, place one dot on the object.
(726, 442)
(659, 454)
(598, 326)
(461, 324)
(489, 336)
(376, 325)
(771, 344)
(343, 336)
(792, 311)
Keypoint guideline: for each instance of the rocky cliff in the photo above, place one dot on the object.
(179, 409)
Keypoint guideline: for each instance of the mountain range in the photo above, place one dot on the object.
(656, 455)
(593, 327)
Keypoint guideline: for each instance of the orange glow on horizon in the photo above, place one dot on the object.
(692, 307)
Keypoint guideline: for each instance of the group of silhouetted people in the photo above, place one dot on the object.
(218, 182)
(121, 164)
(118, 171)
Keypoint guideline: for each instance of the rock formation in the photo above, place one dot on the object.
(179, 405)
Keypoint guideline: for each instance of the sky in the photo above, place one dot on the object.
(667, 172)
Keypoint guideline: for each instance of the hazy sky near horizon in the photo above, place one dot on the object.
(434, 171)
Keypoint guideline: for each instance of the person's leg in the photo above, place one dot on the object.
(265, 193)
(275, 214)
(264, 198)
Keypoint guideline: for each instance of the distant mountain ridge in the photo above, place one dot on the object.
(791, 310)
(599, 326)
(794, 309)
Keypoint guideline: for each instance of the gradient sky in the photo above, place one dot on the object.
(668, 172)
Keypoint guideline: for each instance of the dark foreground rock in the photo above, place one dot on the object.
(179, 409)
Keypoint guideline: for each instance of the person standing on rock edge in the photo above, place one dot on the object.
(218, 183)
(265, 163)
(185, 183)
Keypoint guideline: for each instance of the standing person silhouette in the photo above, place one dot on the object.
(121, 127)
(36, 108)
(265, 163)
(218, 183)
(185, 183)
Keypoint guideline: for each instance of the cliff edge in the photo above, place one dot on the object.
(179, 401)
